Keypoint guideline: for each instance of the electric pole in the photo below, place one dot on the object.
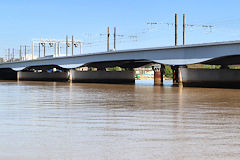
(9, 53)
(184, 26)
(108, 35)
(13, 54)
(72, 45)
(32, 49)
(39, 49)
(114, 38)
(59, 48)
(66, 45)
(175, 29)
(20, 53)
(25, 52)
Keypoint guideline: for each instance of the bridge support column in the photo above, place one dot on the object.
(218, 78)
(122, 77)
(8, 74)
(100, 69)
(177, 74)
(42, 76)
(175, 71)
(224, 67)
(158, 75)
(180, 78)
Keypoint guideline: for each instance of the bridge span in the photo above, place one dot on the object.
(219, 53)
(209, 53)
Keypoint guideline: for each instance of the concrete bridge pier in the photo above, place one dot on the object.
(103, 76)
(43, 76)
(158, 75)
(218, 78)
(175, 71)
(8, 74)
(180, 77)
(224, 67)
(177, 74)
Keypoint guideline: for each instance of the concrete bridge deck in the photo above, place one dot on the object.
(209, 53)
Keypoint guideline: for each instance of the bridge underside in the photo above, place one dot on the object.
(128, 64)
(225, 60)
(122, 64)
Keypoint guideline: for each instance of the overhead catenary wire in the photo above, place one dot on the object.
(143, 34)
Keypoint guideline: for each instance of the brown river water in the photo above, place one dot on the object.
(63, 121)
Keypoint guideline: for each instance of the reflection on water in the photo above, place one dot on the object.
(48, 120)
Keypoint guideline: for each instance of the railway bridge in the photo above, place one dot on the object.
(219, 53)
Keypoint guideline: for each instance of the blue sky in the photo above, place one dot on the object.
(25, 20)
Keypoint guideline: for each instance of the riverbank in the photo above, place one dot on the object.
(149, 77)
